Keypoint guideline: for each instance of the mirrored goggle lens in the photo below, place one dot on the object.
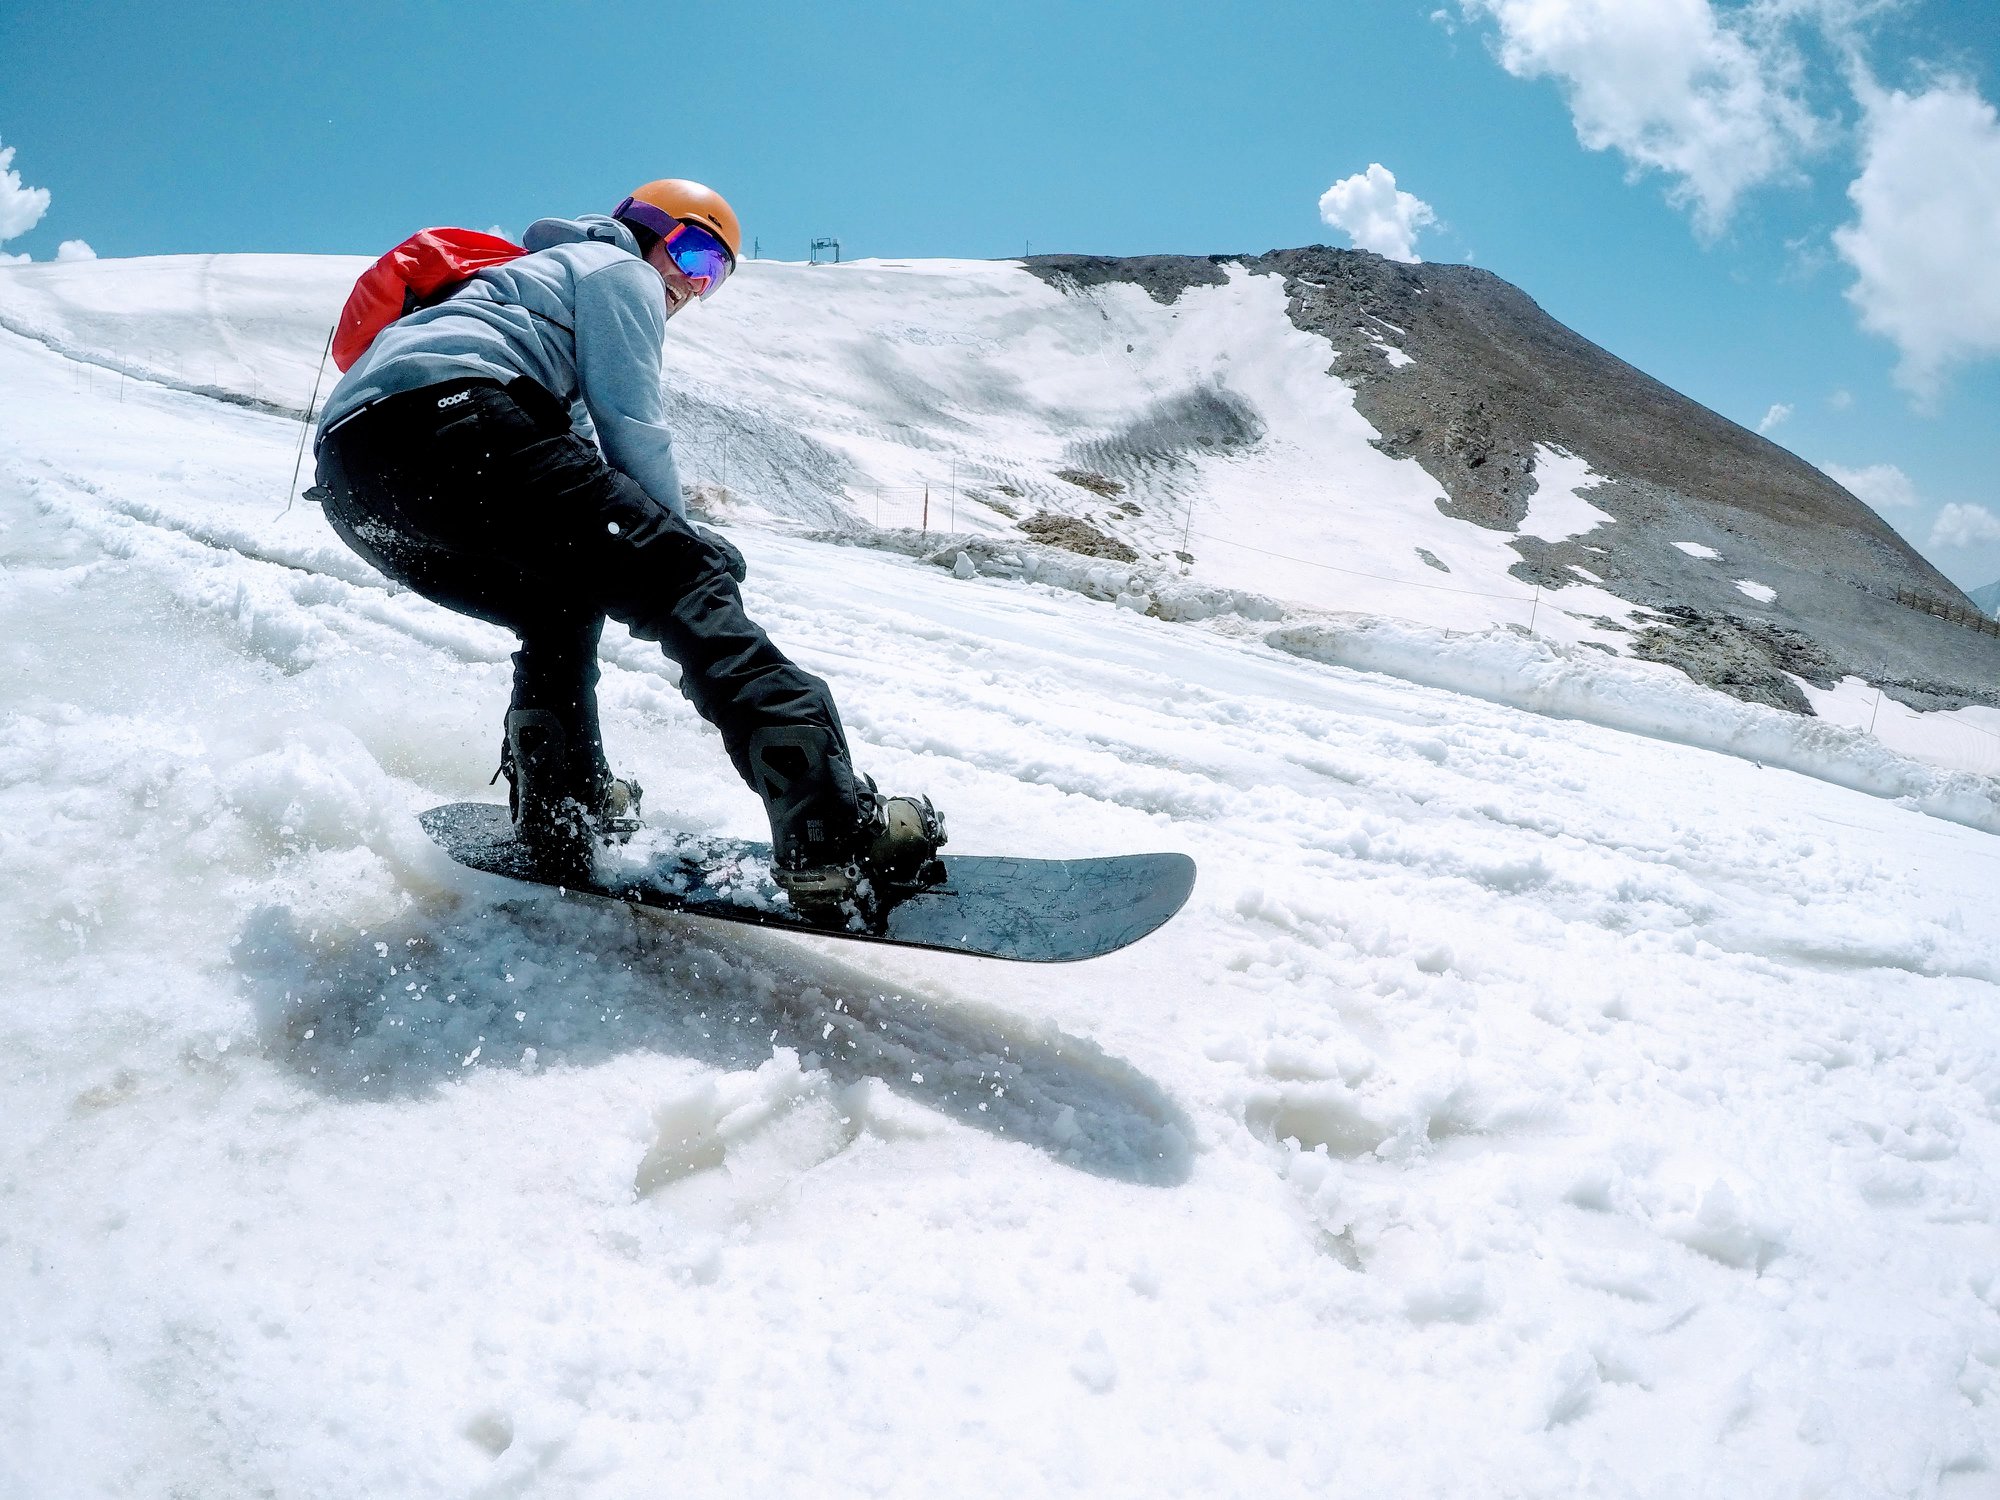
(700, 256)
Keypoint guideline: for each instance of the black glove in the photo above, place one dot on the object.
(731, 558)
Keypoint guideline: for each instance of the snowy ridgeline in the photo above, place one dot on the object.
(1530, 1100)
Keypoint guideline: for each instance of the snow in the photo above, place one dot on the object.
(1763, 593)
(1531, 1100)
(1966, 739)
(1559, 508)
(1396, 357)
(1651, 699)
(1696, 549)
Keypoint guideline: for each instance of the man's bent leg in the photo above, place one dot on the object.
(654, 573)
(778, 721)
(591, 538)
(556, 672)
(411, 524)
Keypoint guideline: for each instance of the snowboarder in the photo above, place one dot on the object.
(503, 452)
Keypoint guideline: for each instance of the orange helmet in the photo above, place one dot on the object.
(679, 199)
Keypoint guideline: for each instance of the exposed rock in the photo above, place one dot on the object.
(1747, 659)
(1164, 277)
(1076, 535)
(1097, 484)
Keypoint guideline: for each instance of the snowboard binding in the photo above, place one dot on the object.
(899, 840)
(842, 851)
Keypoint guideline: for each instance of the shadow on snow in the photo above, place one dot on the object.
(528, 982)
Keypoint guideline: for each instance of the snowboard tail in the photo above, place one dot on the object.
(1029, 910)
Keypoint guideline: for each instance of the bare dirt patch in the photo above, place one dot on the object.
(1074, 535)
(1090, 479)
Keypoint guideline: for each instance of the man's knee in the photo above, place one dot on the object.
(667, 570)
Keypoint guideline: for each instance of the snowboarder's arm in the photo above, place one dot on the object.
(621, 319)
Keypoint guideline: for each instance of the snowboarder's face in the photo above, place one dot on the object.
(681, 288)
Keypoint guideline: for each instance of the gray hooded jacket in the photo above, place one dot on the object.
(582, 315)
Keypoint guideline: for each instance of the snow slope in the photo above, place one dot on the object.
(1521, 1107)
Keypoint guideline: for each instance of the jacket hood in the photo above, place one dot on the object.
(544, 234)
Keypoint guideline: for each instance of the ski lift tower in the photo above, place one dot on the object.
(826, 242)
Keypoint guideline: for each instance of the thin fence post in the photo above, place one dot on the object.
(1876, 710)
(927, 508)
(1535, 609)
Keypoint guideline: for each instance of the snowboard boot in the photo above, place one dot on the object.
(840, 849)
(562, 797)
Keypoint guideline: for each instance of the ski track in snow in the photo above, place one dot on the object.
(1519, 1107)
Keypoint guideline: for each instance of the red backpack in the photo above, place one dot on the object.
(426, 268)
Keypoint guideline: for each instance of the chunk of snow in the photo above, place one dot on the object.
(1092, 1364)
(1396, 357)
(1558, 508)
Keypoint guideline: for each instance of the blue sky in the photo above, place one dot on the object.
(1710, 236)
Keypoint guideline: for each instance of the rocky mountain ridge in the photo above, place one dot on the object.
(1467, 375)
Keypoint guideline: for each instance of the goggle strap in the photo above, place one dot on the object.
(658, 220)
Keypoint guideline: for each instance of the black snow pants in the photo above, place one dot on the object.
(481, 498)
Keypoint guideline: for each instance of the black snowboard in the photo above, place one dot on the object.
(1037, 910)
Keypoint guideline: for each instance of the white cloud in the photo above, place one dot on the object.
(1780, 410)
(1841, 399)
(1375, 214)
(1879, 486)
(21, 208)
(1965, 526)
(1925, 242)
(75, 250)
(1712, 99)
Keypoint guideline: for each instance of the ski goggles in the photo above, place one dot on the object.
(696, 252)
